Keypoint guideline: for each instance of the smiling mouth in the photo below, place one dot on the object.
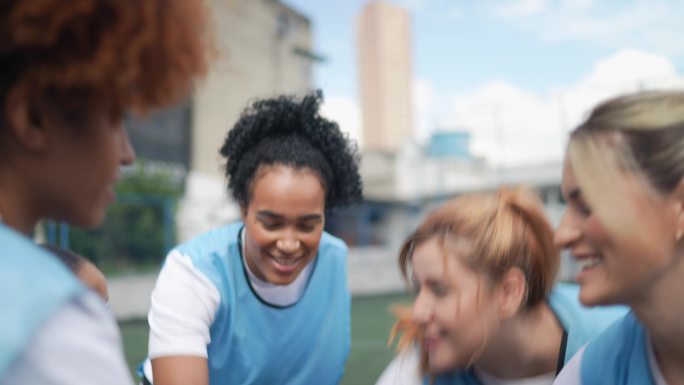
(588, 263)
(431, 343)
(285, 261)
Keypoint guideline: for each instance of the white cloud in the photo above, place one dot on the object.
(626, 71)
(508, 124)
(443, 8)
(423, 108)
(511, 125)
(647, 25)
(627, 66)
(346, 113)
(577, 5)
(520, 8)
(418, 5)
(454, 12)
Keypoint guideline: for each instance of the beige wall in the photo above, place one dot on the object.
(384, 55)
(253, 61)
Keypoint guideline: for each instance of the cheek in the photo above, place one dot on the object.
(257, 238)
(451, 312)
(312, 240)
(595, 232)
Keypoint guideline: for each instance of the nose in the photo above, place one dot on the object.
(567, 232)
(127, 151)
(422, 308)
(288, 243)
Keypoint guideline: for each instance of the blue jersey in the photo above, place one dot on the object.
(580, 323)
(33, 286)
(253, 342)
(618, 356)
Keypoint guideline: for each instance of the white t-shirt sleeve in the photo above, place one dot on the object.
(402, 370)
(184, 304)
(79, 345)
(571, 374)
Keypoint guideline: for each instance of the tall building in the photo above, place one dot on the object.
(384, 55)
(264, 48)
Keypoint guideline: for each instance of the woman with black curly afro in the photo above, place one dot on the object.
(69, 70)
(265, 300)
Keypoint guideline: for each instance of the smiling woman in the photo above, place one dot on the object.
(265, 300)
(68, 72)
(624, 181)
(487, 309)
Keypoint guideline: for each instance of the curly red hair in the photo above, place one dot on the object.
(121, 54)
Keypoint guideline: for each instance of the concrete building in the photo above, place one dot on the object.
(265, 48)
(384, 60)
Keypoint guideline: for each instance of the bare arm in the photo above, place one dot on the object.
(180, 370)
(183, 306)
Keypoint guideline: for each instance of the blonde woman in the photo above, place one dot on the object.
(624, 222)
(487, 309)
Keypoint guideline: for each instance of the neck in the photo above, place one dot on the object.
(660, 310)
(16, 211)
(525, 346)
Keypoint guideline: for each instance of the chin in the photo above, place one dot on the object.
(438, 363)
(594, 296)
(89, 222)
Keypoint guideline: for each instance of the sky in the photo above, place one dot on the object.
(517, 74)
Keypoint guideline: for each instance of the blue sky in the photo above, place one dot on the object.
(493, 50)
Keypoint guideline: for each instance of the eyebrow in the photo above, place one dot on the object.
(575, 193)
(434, 282)
(306, 218)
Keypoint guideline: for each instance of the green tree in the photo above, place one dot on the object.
(139, 225)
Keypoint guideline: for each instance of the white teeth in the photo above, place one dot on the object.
(285, 261)
(587, 263)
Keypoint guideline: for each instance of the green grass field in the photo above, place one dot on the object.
(371, 323)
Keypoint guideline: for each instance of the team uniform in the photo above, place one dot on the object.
(52, 330)
(207, 303)
(580, 324)
(622, 355)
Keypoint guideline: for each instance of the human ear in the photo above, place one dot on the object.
(24, 124)
(679, 210)
(513, 288)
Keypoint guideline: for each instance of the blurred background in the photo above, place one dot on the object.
(443, 97)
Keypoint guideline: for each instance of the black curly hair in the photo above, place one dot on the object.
(289, 131)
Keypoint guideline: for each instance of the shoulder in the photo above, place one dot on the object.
(402, 370)
(217, 240)
(87, 339)
(210, 251)
(570, 375)
(618, 355)
(618, 339)
(21, 258)
(332, 245)
(33, 286)
(582, 323)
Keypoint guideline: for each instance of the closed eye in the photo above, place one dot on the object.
(439, 289)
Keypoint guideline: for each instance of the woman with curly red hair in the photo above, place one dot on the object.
(68, 72)
(488, 309)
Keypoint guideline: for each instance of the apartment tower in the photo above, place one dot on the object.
(384, 55)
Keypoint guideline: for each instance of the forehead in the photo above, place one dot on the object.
(432, 259)
(284, 189)
(568, 181)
